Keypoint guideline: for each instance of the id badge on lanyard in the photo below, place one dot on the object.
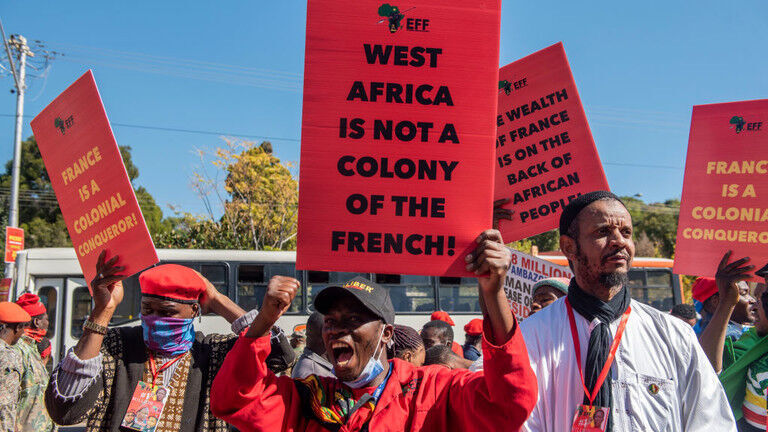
(590, 418)
(148, 400)
(146, 407)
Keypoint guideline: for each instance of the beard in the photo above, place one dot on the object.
(617, 278)
(605, 280)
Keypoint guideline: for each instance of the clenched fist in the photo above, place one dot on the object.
(280, 293)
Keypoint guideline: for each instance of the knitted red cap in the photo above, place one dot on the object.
(441, 316)
(31, 303)
(704, 288)
(474, 327)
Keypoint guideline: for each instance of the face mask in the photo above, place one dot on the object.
(372, 369)
(36, 334)
(168, 336)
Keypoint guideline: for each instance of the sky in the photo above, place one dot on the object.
(235, 69)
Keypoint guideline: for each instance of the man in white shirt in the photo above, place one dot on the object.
(659, 380)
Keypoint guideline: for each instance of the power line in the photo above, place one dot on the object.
(191, 131)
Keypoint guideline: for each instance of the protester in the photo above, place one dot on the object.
(659, 380)
(369, 392)
(444, 317)
(32, 415)
(407, 345)
(313, 360)
(96, 380)
(473, 339)
(13, 321)
(299, 339)
(686, 312)
(745, 368)
(744, 314)
(444, 356)
(546, 291)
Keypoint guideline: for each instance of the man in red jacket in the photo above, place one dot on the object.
(369, 392)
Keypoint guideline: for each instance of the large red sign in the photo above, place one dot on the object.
(397, 134)
(545, 154)
(14, 242)
(725, 191)
(92, 187)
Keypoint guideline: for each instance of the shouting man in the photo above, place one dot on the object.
(597, 350)
(369, 391)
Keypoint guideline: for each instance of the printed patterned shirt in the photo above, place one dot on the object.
(31, 413)
(11, 370)
(754, 398)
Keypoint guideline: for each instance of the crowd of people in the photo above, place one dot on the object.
(588, 358)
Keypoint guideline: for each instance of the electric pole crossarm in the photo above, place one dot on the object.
(10, 57)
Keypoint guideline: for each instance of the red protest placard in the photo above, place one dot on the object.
(92, 187)
(14, 242)
(725, 190)
(397, 134)
(545, 154)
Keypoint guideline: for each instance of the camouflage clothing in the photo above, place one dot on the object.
(31, 414)
(11, 371)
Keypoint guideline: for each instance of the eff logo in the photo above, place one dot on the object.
(394, 19)
(63, 125)
(739, 124)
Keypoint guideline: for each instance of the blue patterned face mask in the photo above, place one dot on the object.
(168, 337)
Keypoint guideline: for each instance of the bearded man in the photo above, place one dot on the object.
(598, 350)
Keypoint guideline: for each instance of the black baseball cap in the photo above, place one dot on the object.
(373, 296)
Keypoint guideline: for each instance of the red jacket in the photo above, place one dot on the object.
(432, 398)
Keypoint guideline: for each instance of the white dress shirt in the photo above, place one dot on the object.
(661, 378)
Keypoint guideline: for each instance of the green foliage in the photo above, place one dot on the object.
(39, 213)
(657, 221)
(260, 207)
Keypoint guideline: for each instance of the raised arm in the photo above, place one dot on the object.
(245, 392)
(504, 393)
(712, 339)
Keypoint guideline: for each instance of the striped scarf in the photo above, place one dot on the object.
(330, 410)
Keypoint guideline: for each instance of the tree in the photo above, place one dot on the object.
(39, 213)
(259, 197)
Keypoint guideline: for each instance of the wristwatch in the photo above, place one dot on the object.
(92, 326)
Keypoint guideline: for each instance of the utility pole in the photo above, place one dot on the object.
(18, 44)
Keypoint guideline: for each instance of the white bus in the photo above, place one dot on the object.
(54, 274)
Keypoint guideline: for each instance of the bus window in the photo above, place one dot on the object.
(81, 308)
(409, 293)
(659, 289)
(318, 280)
(128, 309)
(48, 296)
(458, 294)
(216, 274)
(251, 285)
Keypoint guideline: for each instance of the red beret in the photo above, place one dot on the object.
(441, 316)
(173, 282)
(31, 303)
(704, 288)
(11, 313)
(474, 327)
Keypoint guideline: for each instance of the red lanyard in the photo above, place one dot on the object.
(155, 371)
(611, 355)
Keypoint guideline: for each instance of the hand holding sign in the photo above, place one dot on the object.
(92, 187)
